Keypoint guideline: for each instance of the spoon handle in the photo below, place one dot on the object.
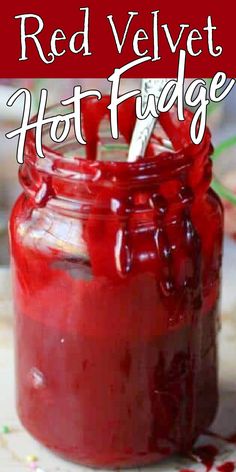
(143, 128)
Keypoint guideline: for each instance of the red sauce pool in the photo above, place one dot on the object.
(226, 467)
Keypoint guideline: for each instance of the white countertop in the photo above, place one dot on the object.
(17, 444)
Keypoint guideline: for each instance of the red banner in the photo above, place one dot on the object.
(91, 38)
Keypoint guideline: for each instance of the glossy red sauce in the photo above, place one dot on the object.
(116, 343)
(206, 455)
(226, 467)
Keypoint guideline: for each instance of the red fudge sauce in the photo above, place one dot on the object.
(116, 342)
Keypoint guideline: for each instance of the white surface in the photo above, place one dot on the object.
(14, 447)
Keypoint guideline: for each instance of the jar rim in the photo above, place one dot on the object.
(77, 167)
(73, 178)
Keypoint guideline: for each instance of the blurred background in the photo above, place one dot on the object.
(221, 120)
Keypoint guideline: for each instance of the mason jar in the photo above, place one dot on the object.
(116, 278)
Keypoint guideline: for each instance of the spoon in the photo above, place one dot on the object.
(143, 128)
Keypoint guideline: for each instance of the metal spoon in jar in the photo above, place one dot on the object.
(143, 128)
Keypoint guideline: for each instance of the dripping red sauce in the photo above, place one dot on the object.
(116, 275)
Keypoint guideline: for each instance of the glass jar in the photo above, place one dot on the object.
(116, 277)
